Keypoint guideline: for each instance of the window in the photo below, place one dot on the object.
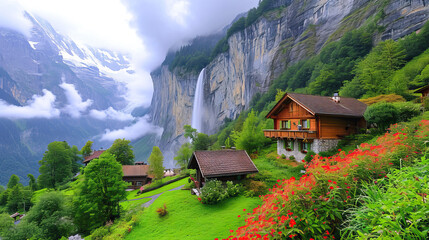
(305, 123)
(286, 124)
(304, 146)
(289, 144)
(139, 183)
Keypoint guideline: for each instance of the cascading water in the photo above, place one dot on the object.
(198, 103)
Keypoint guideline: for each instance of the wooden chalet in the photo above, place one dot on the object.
(307, 122)
(224, 165)
(136, 175)
(424, 91)
(94, 155)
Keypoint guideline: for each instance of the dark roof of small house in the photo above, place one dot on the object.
(222, 163)
(94, 155)
(323, 105)
(422, 89)
(135, 170)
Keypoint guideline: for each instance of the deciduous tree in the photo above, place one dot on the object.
(87, 149)
(251, 138)
(123, 151)
(56, 165)
(13, 181)
(156, 160)
(183, 155)
(99, 193)
(32, 182)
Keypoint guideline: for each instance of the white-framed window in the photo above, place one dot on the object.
(304, 146)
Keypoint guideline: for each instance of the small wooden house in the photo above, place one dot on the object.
(224, 165)
(94, 155)
(424, 91)
(136, 175)
(307, 122)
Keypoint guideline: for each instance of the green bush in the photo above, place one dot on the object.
(407, 110)
(255, 188)
(292, 157)
(100, 233)
(382, 114)
(426, 103)
(309, 156)
(215, 191)
(394, 208)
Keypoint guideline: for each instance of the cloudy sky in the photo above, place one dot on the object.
(142, 29)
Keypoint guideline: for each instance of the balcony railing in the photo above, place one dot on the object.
(298, 134)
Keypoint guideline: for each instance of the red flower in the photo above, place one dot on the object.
(331, 187)
(292, 223)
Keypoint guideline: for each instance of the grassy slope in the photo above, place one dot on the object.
(188, 219)
(133, 194)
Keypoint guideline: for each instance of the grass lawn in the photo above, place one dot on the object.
(188, 219)
(133, 194)
(127, 205)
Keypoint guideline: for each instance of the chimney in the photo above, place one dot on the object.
(223, 147)
(336, 98)
(233, 148)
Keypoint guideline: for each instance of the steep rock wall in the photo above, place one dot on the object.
(262, 51)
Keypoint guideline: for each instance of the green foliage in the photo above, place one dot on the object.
(280, 94)
(24, 231)
(156, 160)
(98, 194)
(52, 216)
(215, 191)
(407, 110)
(123, 152)
(381, 114)
(6, 223)
(17, 197)
(13, 181)
(414, 44)
(32, 183)
(190, 132)
(309, 156)
(394, 207)
(87, 149)
(426, 103)
(251, 138)
(183, 155)
(56, 165)
(375, 71)
(228, 143)
(195, 56)
(202, 142)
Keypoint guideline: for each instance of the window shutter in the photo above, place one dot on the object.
(308, 146)
(308, 123)
(292, 144)
(288, 124)
(299, 146)
(299, 122)
(285, 143)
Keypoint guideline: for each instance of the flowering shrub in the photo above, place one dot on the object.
(312, 207)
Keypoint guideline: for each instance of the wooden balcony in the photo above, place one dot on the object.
(295, 134)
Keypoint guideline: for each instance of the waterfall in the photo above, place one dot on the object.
(198, 103)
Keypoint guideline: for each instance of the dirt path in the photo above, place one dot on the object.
(154, 197)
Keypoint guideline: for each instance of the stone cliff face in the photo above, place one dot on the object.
(263, 50)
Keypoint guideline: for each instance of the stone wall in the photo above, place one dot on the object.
(318, 145)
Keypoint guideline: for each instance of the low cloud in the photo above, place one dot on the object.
(111, 114)
(38, 107)
(140, 128)
(12, 17)
(75, 106)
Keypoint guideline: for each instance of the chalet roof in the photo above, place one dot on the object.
(94, 155)
(322, 105)
(222, 163)
(14, 215)
(135, 170)
(422, 89)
